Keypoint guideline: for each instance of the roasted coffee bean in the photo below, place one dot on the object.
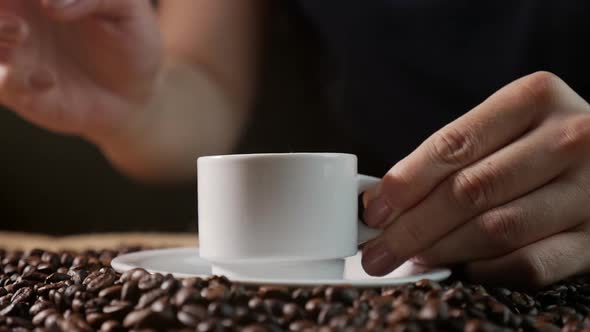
(97, 280)
(143, 318)
(79, 274)
(23, 295)
(117, 309)
(252, 328)
(192, 314)
(301, 295)
(256, 304)
(301, 325)
(52, 322)
(19, 322)
(130, 291)
(39, 306)
(133, 275)
(80, 261)
(39, 318)
(95, 319)
(170, 285)
(45, 288)
(13, 288)
(314, 306)
(273, 307)
(329, 311)
(194, 282)
(33, 276)
(95, 304)
(220, 309)
(57, 277)
(50, 258)
(111, 326)
(215, 292)
(75, 323)
(274, 292)
(149, 297)
(111, 292)
(150, 281)
(292, 311)
(46, 268)
(345, 295)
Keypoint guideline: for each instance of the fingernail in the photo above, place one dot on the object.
(377, 213)
(378, 260)
(60, 4)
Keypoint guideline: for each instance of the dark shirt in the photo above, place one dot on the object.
(405, 68)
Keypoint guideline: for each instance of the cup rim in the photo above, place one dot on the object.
(280, 155)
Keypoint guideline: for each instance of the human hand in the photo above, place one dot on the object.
(504, 190)
(83, 67)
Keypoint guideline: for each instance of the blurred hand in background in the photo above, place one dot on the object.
(100, 69)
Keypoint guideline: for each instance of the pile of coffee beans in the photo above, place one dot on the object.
(68, 291)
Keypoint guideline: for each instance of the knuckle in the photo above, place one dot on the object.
(541, 87)
(573, 135)
(502, 228)
(452, 146)
(533, 269)
(472, 189)
(395, 178)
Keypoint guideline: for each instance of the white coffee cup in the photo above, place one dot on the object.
(288, 209)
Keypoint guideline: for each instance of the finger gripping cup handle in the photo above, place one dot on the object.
(366, 233)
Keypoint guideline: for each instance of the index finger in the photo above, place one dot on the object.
(503, 117)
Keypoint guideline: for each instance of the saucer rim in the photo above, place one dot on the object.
(123, 263)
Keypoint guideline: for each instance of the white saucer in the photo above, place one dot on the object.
(185, 262)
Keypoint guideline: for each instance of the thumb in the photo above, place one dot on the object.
(71, 10)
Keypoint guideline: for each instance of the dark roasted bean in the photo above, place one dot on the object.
(111, 326)
(274, 292)
(301, 325)
(24, 294)
(45, 288)
(215, 292)
(39, 318)
(314, 306)
(56, 277)
(79, 274)
(96, 281)
(191, 315)
(19, 322)
(170, 285)
(39, 306)
(329, 311)
(220, 309)
(133, 274)
(130, 291)
(117, 309)
(149, 297)
(345, 295)
(95, 319)
(111, 292)
(150, 281)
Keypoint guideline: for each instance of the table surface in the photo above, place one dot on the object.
(26, 241)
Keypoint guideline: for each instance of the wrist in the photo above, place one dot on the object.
(186, 116)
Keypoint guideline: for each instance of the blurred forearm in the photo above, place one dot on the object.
(203, 96)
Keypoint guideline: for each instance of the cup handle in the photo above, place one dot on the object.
(366, 233)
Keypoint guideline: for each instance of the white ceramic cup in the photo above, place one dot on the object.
(287, 208)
